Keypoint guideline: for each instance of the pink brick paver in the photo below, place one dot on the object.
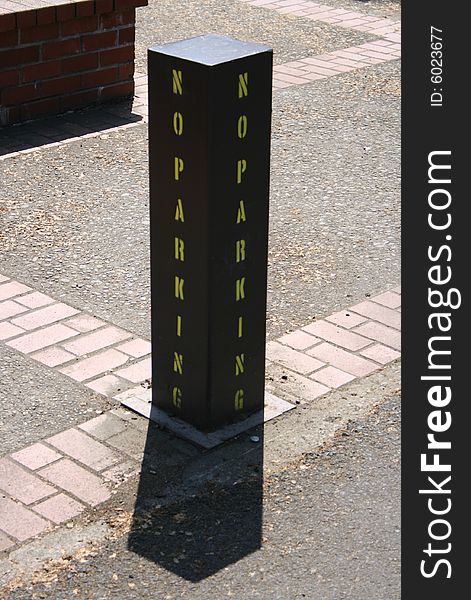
(332, 377)
(84, 323)
(337, 335)
(297, 388)
(11, 289)
(42, 338)
(7, 330)
(279, 85)
(349, 62)
(290, 9)
(18, 521)
(325, 64)
(22, 485)
(289, 78)
(351, 53)
(388, 299)
(35, 300)
(288, 70)
(382, 51)
(85, 344)
(53, 356)
(9, 308)
(299, 340)
(137, 372)
(378, 313)
(108, 385)
(292, 359)
(3, 278)
(5, 542)
(394, 37)
(59, 508)
(84, 449)
(380, 353)
(383, 30)
(104, 426)
(311, 76)
(36, 456)
(381, 333)
(376, 54)
(346, 319)
(312, 68)
(95, 365)
(136, 348)
(77, 481)
(343, 360)
(45, 316)
(383, 46)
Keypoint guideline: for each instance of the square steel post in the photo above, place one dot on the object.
(209, 152)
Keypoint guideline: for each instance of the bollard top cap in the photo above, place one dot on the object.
(210, 49)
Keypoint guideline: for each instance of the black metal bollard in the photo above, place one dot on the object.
(209, 147)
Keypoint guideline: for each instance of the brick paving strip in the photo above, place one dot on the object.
(339, 17)
(305, 70)
(54, 480)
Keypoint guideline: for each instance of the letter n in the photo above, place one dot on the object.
(178, 363)
(239, 364)
(243, 85)
(177, 78)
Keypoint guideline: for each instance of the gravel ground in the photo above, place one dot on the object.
(390, 9)
(75, 220)
(36, 402)
(330, 532)
(290, 37)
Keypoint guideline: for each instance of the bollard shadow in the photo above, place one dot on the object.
(198, 511)
(62, 128)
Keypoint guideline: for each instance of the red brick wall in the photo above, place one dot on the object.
(64, 56)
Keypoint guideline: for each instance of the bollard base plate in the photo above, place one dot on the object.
(143, 405)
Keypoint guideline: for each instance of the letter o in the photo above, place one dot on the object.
(439, 227)
(178, 123)
(436, 522)
(242, 126)
(440, 191)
